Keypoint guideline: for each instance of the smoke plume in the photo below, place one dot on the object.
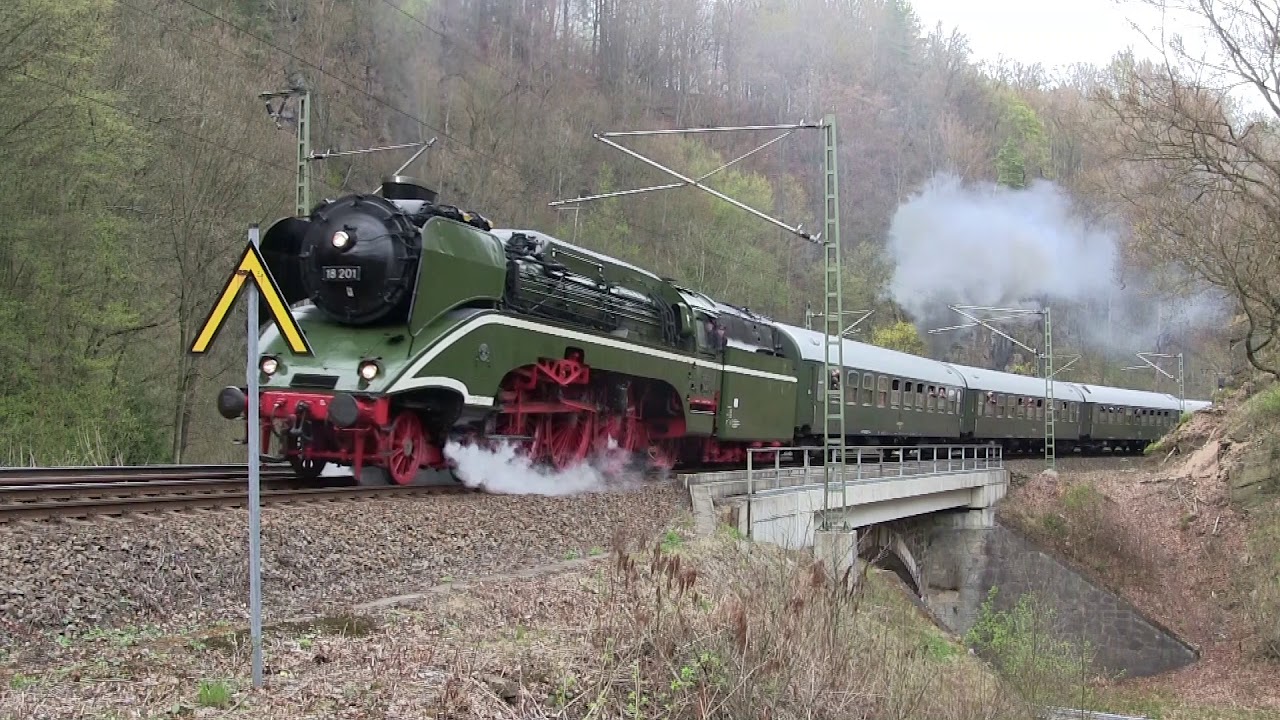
(506, 471)
(993, 246)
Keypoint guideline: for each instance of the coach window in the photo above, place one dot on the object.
(896, 395)
(953, 400)
(919, 396)
(866, 389)
(931, 398)
(882, 386)
(851, 388)
(999, 406)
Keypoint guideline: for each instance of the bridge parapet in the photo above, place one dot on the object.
(785, 504)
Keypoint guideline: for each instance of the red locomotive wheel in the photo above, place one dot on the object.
(408, 448)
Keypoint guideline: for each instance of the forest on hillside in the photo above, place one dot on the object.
(1138, 199)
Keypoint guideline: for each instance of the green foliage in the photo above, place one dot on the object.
(214, 694)
(1023, 368)
(1025, 147)
(1043, 668)
(1264, 405)
(72, 381)
(901, 336)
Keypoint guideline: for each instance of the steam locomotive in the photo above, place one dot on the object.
(430, 327)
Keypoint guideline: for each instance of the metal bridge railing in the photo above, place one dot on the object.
(871, 463)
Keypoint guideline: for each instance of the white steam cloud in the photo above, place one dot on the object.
(505, 470)
(994, 246)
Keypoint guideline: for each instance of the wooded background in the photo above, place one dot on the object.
(136, 152)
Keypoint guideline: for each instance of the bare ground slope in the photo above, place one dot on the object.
(1169, 534)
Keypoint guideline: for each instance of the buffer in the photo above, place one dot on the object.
(252, 268)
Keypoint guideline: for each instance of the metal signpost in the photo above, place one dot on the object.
(833, 300)
(252, 271)
(255, 483)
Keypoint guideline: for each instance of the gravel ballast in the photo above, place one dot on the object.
(178, 570)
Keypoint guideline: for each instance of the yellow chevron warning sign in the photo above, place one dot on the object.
(252, 267)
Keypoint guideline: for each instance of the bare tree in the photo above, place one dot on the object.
(1204, 177)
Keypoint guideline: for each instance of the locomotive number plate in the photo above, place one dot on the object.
(334, 273)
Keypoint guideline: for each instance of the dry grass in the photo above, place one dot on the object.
(729, 630)
(1082, 524)
(713, 628)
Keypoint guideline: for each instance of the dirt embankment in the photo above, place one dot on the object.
(1180, 534)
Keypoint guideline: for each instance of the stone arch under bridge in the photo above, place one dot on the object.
(896, 546)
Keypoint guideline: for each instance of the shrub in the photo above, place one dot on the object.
(1265, 404)
(1021, 643)
(750, 631)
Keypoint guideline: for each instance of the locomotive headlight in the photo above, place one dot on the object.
(269, 364)
(341, 239)
(369, 369)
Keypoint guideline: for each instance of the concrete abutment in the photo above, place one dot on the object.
(939, 533)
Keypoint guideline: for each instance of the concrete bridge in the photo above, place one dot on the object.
(928, 514)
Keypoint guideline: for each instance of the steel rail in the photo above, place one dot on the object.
(102, 474)
(30, 492)
(155, 503)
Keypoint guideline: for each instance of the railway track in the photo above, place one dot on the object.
(48, 493)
